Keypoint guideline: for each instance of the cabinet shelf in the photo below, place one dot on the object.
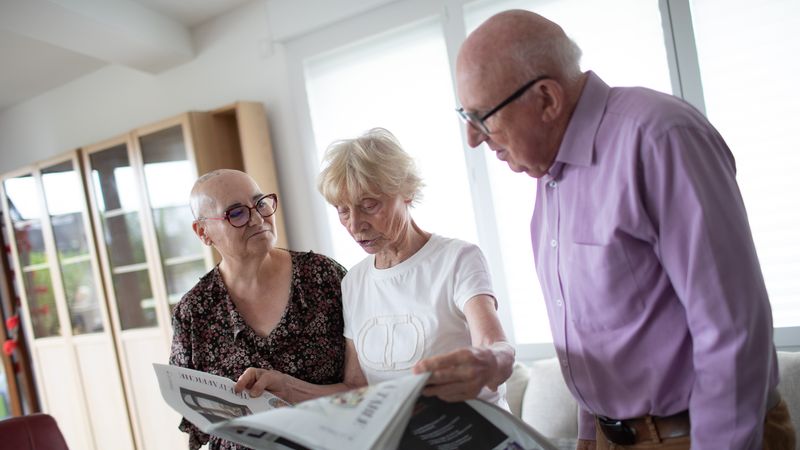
(183, 259)
(76, 259)
(129, 268)
(110, 213)
(35, 267)
(22, 224)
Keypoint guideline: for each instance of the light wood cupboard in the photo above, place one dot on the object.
(65, 318)
(137, 258)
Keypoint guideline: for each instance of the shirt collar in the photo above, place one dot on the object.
(577, 146)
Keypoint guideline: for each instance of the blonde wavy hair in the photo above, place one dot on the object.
(372, 165)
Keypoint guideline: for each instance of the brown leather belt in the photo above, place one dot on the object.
(654, 428)
(645, 429)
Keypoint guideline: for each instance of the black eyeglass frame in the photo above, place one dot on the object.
(227, 215)
(471, 118)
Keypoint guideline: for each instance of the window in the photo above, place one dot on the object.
(745, 53)
(399, 81)
(357, 75)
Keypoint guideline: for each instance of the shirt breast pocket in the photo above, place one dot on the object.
(600, 288)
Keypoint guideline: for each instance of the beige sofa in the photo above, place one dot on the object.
(537, 394)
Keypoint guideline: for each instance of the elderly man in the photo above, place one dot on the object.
(656, 301)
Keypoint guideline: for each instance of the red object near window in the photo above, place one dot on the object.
(9, 346)
(12, 322)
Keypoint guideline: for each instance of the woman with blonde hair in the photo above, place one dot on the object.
(419, 301)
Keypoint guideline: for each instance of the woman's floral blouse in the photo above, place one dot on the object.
(307, 343)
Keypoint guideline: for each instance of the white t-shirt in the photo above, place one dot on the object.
(414, 310)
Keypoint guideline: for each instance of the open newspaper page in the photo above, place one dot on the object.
(470, 425)
(205, 399)
(372, 417)
(387, 415)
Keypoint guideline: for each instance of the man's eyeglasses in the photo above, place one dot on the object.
(239, 216)
(479, 122)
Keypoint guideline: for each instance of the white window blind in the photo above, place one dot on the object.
(400, 81)
(749, 65)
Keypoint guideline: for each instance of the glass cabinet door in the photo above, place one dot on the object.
(65, 202)
(169, 177)
(117, 198)
(65, 308)
(24, 206)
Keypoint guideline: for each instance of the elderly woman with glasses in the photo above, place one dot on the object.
(419, 301)
(261, 308)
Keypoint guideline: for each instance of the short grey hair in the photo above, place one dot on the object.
(373, 164)
(554, 55)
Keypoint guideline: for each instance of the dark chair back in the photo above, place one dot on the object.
(31, 432)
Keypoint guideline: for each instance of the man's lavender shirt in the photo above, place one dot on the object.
(653, 287)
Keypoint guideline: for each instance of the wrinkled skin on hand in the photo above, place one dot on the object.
(461, 374)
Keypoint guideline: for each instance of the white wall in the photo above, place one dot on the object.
(235, 60)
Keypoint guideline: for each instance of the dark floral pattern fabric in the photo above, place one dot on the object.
(210, 335)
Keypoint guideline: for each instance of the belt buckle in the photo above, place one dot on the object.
(616, 431)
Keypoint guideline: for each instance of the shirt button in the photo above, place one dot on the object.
(553, 243)
(552, 184)
(564, 362)
(559, 302)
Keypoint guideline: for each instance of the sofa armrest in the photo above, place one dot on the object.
(515, 388)
(537, 394)
(547, 404)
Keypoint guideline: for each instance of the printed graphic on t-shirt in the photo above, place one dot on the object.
(394, 342)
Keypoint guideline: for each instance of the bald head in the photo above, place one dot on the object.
(203, 198)
(530, 62)
(517, 45)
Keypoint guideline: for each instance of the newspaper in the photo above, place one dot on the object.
(387, 415)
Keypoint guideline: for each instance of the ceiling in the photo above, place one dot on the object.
(41, 50)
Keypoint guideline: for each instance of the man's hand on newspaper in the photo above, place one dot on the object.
(461, 374)
(256, 381)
